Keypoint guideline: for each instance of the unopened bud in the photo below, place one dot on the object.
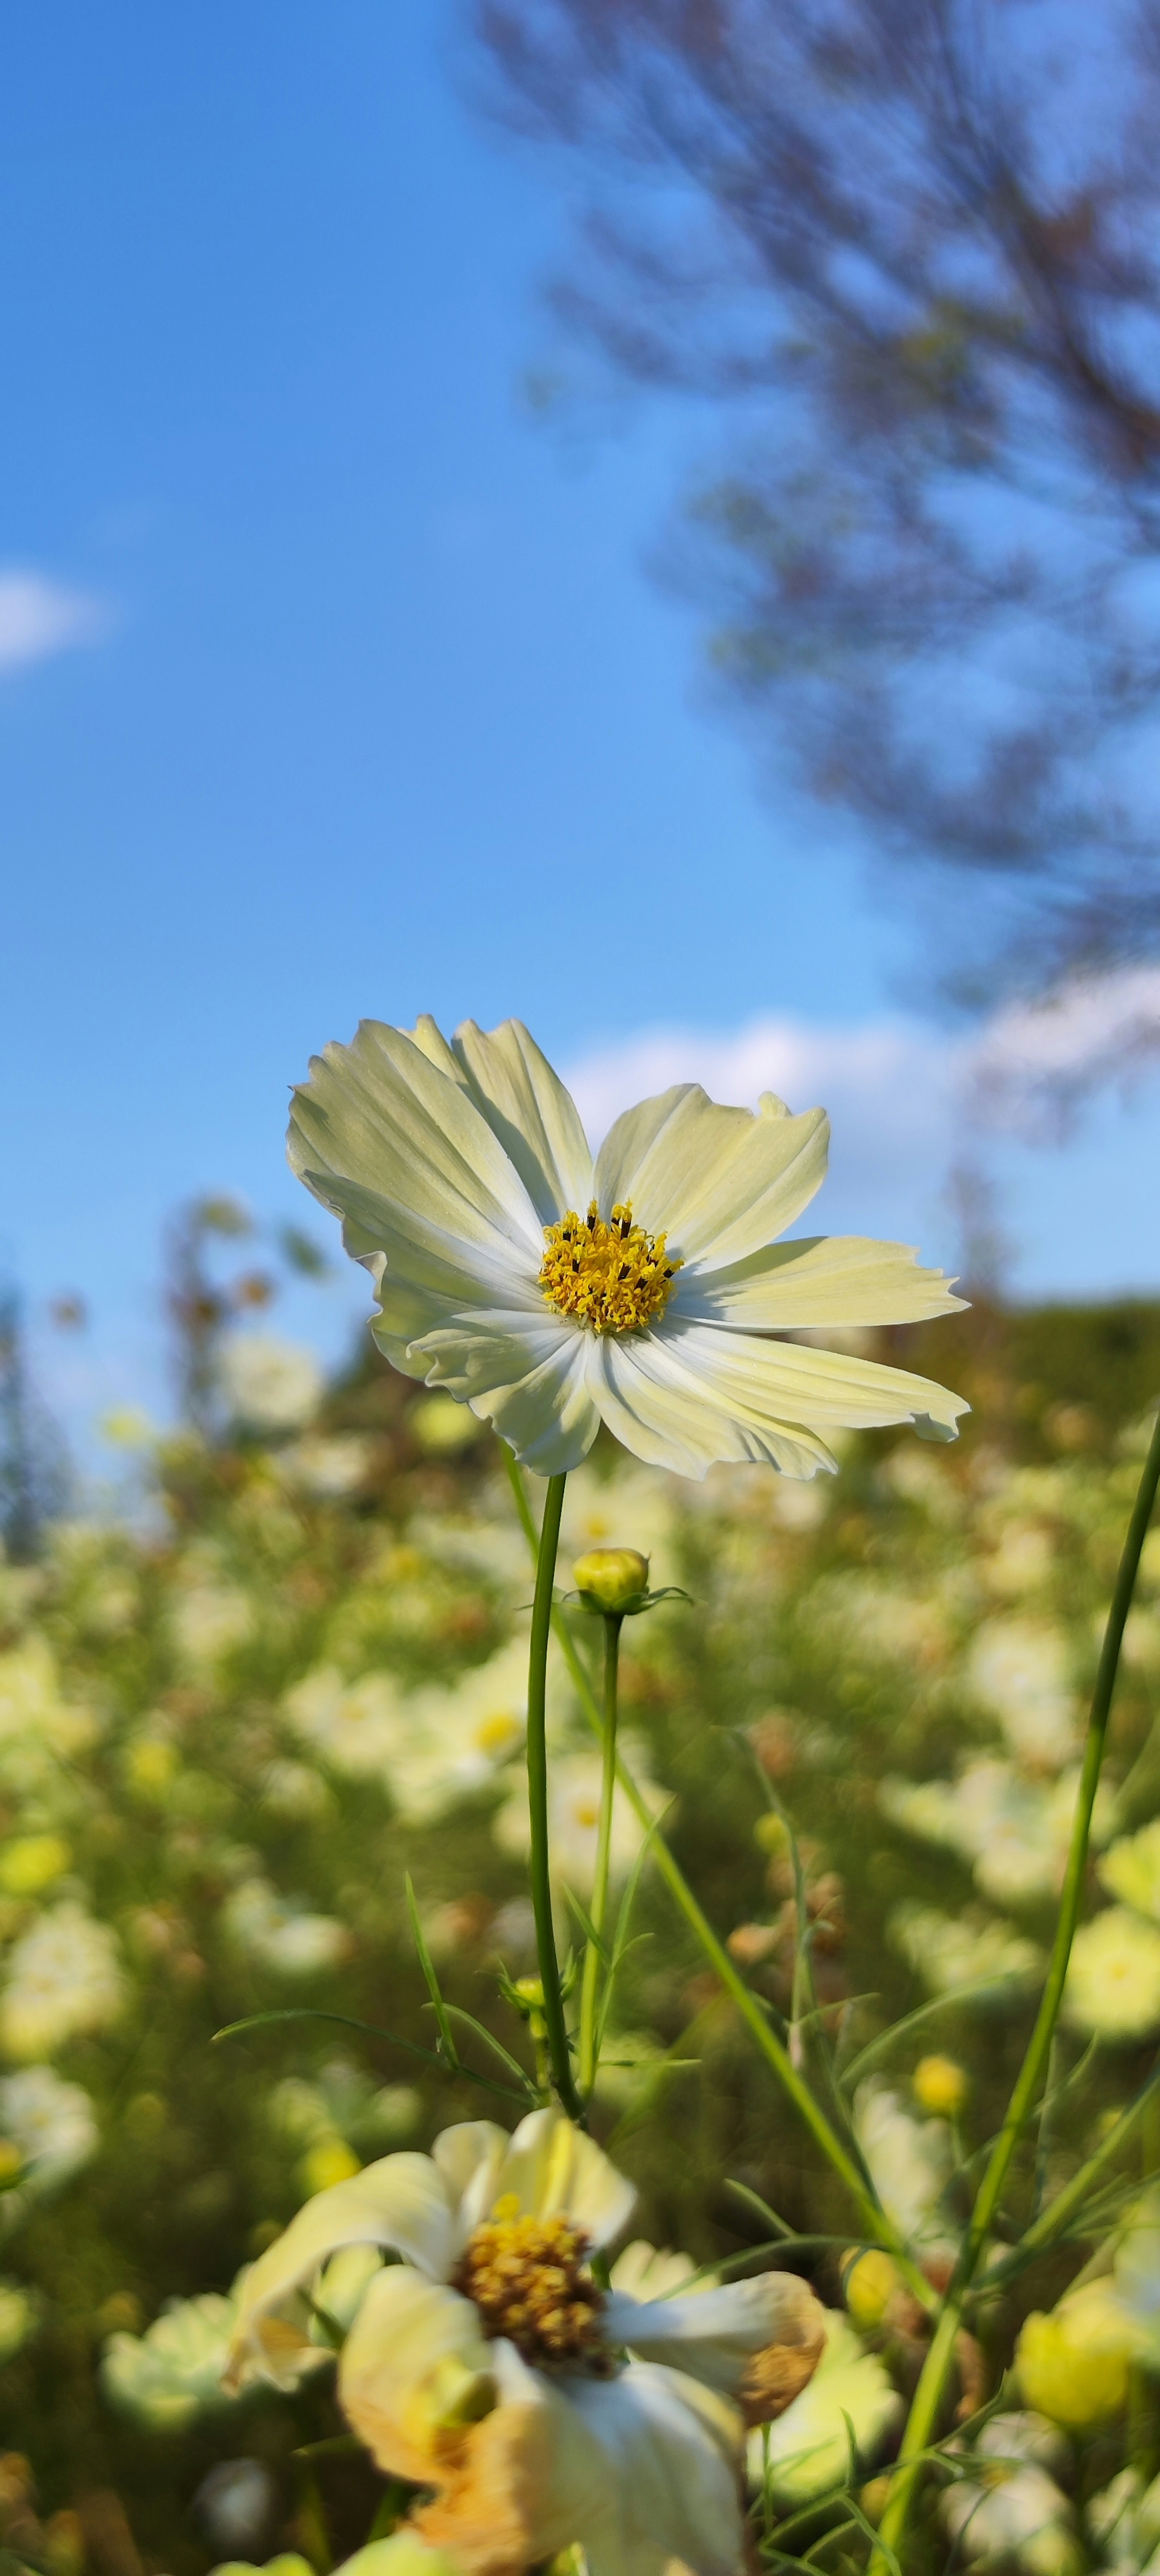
(940, 2085)
(771, 1833)
(613, 1579)
(1074, 2365)
(870, 2281)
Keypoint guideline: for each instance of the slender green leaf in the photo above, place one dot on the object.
(446, 2035)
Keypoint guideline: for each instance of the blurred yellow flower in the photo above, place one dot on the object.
(1074, 2365)
(329, 2161)
(30, 1862)
(941, 2085)
(1113, 1982)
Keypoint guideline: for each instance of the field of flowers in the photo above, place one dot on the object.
(237, 1726)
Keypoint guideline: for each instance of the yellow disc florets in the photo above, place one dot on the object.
(608, 1273)
(530, 2282)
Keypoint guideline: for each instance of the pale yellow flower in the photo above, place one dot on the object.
(487, 2365)
(574, 1783)
(551, 1291)
(1073, 2366)
(1113, 1981)
(64, 1977)
(849, 2404)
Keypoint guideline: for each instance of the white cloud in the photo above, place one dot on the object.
(39, 618)
(907, 1101)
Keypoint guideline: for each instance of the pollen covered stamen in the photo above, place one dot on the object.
(607, 1272)
(530, 2282)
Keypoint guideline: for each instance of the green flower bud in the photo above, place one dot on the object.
(612, 1578)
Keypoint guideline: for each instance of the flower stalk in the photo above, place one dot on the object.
(928, 2397)
(590, 1988)
(555, 2024)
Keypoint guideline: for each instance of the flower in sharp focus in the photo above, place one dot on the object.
(488, 2365)
(1006, 2504)
(551, 1291)
(849, 2404)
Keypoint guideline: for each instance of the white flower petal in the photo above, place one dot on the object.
(531, 1383)
(833, 1279)
(401, 1152)
(407, 2331)
(535, 1118)
(714, 2334)
(673, 2452)
(526, 2482)
(719, 1182)
(469, 2157)
(666, 1412)
(555, 2171)
(755, 1383)
(401, 2202)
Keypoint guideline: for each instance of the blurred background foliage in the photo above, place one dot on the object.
(236, 1714)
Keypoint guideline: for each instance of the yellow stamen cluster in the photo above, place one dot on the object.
(608, 1273)
(530, 2282)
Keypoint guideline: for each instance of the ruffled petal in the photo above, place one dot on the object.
(555, 2171)
(666, 1412)
(719, 1182)
(757, 2341)
(673, 2453)
(401, 2202)
(469, 2157)
(526, 2482)
(836, 1280)
(397, 1149)
(535, 1118)
(412, 2370)
(530, 1381)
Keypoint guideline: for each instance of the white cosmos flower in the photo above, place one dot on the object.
(552, 1291)
(488, 2366)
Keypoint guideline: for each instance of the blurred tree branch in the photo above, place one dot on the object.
(912, 248)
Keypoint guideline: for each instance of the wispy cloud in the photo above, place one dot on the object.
(40, 618)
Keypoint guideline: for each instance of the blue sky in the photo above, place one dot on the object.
(334, 684)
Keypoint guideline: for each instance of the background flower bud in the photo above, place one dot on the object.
(1073, 2365)
(869, 2284)
(941, 2085)
(613, 1577)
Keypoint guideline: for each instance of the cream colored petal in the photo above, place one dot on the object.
(393, 1145)
(674, 2453)
(826, 1279)
(469, 2157)
(401, 2202)
(717, 2335)
(529, 2480)
(666, 1412)
(760, 1386)
(719, 1182)
(555, 2171)
(543, 1408)
(535, 1118)
(414, 2366)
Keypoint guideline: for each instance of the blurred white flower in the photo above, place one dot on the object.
(170, 2375)
(1014, 1830)
(1023, 1561)
(327, 1468)
(1011, 2507)
(456, 1740)
(1123, 2521)
(51, 2124)
(441, 1426)
(631, 1507)
(280, 1935)
(64, 1977)
(952, 1950)
(207, 1621)
(911, 2161)
(1130, 1869)
(36, 1721)
(356, 1726)
(269, 1385)
(19, 2317)
(574, 1818)
(293, 1789)
(849, 2405)
(1021, 1669)
(1113, 1981)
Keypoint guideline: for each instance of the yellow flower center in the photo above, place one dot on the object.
(609, 1274)
(530, 2281)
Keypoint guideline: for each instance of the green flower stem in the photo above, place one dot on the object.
(871, 2215)
(591, 1986)
(928, 2396)
(1053, 2220)
(555, 2026)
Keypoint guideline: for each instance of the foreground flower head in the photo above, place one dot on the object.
(488, 2365)
(551, 1291)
